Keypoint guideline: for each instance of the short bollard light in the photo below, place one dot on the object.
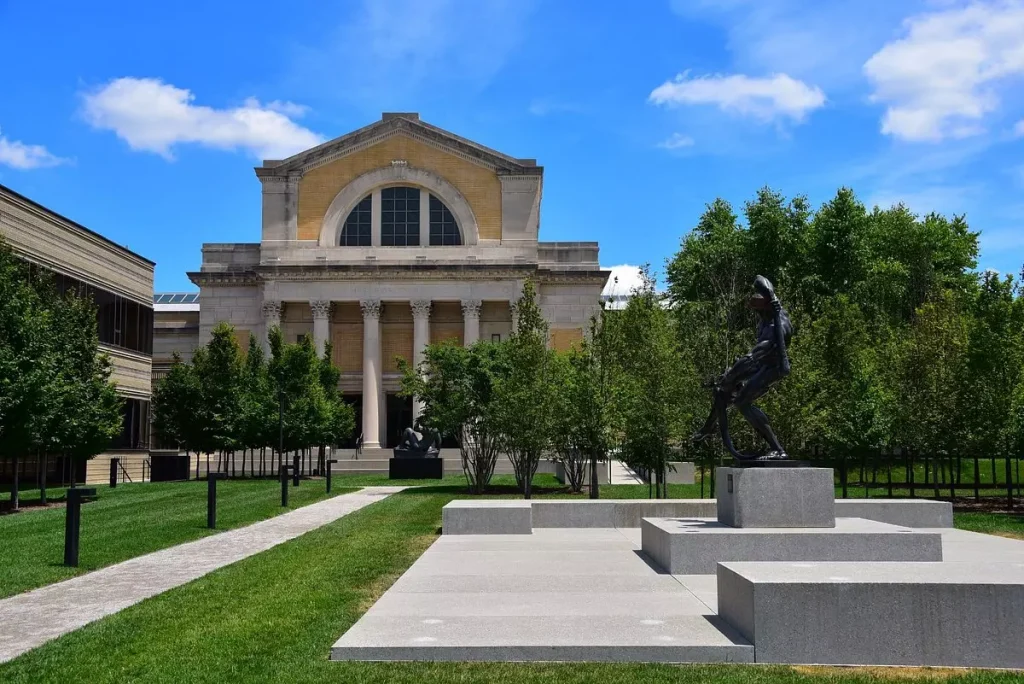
(73, 523)
(284, 485)
(211, 499)
(330, 462)
(114, 464)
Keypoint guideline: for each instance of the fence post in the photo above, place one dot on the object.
(843, 474)
(330, 462)
(977, 474)
(1009, 483)
(910, 472)
(888, 472)
(114, 462)
(211, 500)
(73, 523)
(284, 485)
(936, 464)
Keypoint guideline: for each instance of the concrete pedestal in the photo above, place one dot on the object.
(415, 468)
(775, 497)
(487, 517)
(695, 546)
(920, 614)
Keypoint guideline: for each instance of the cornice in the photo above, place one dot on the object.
(397, 272)
(382, 130)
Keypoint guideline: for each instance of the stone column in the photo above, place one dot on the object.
(420, 340)
(321, 324)
(513, 306)
(371, 373)
(271, 318)
(471, 321)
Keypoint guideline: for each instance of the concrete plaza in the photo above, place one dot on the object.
(586, 594)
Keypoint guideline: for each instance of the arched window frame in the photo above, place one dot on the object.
(374, 181)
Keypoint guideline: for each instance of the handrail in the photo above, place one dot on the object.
(124, 473)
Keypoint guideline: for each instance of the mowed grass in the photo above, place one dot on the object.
(1003, 524)
(131, 520)
(273, 618)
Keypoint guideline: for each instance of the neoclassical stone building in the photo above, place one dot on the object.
(384, 240)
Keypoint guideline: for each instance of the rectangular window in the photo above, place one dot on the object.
(400, 217)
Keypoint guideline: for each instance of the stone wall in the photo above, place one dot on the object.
(479, 185)
(239, 305)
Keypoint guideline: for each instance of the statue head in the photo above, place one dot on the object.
(763, 296)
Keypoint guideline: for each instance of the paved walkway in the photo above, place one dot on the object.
(31, 619)
(623, 474)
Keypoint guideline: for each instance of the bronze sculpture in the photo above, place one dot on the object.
(425, 444)
(751, 376)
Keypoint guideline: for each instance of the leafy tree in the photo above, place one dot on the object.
(652, 396)
(524, 393)
(25, 364)
(582, 406)
(456, 386)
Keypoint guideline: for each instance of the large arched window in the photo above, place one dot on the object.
(443, 228)
(400, 217)
(357, 230)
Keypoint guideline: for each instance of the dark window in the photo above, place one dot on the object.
(443, 229)
(356, 232)
(400, 217)
(121, 322)
(134, 425)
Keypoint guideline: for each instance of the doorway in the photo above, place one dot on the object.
(399, 417)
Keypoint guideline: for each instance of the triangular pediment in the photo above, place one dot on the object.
(407, 124)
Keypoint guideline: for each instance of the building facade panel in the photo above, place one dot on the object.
(375, 302)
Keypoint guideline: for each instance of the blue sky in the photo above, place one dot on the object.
(143, 120)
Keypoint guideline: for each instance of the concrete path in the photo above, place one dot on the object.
(31, 619)
(623, 474)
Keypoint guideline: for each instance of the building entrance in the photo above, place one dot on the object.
(399, 417)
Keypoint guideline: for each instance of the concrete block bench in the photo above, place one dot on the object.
(487, 517)
(904, 512)
(696, 546)
(919, 614)
(625, 513)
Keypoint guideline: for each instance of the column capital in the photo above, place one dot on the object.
(321, 308)
(371, 308)
(471, 308)
(272, 308)
(420, 308)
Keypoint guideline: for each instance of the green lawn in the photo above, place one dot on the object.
(274, 616)
(131, 520)
(1002, 524)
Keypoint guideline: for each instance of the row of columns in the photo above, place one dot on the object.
(372, 379)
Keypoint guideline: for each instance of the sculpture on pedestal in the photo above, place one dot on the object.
(751, 376)
(425, 444)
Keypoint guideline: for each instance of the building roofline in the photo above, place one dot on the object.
(73, 224)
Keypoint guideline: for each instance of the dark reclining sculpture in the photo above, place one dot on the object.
(419, 445)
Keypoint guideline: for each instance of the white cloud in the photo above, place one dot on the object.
(1018, 130)
(767, 99)
(154, 116)
(943, 77)
(820, 42)
(676, 141)
(21, 156)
